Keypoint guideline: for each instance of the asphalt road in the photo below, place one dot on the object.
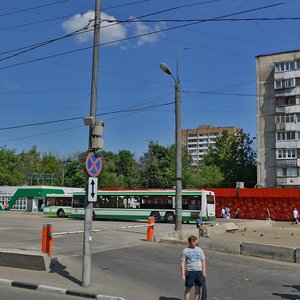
(123, 264)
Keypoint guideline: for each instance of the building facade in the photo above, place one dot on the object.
(199, 140)
(278, 119)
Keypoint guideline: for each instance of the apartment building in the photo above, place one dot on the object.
(278, 119)
(198, 140)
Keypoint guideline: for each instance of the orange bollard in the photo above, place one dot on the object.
(150, 229)
(44, 238)
(47, 239)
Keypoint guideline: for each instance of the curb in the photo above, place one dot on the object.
(55, 290)
(279, 253)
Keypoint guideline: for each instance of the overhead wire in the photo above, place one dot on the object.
(81, 117)
(115, 23)
(136, 36)
(34, 7)
(67, 16)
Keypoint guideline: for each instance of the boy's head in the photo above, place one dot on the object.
(193, 240)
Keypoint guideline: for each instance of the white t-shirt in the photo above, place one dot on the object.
(193, 258)
(295, 213)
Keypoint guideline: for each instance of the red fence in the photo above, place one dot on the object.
(253, 203)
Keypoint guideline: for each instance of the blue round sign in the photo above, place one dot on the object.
(93, 164)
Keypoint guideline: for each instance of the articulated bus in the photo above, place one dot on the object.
(141, 204)
(59, 205)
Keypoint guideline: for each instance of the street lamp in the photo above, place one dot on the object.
(178, 198)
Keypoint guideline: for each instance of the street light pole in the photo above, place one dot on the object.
(88, 219)
(178, 195)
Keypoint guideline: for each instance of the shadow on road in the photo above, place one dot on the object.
(57, 267)
(168, 298)
(290, 296)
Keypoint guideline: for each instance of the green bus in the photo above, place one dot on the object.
(29, 198)
(59, 205)
(140, 204)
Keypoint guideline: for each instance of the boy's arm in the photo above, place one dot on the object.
(203, 266)
(182, 270)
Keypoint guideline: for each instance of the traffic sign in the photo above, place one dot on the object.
(93, 164)
(92, 189)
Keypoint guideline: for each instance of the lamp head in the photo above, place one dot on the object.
(165, 68)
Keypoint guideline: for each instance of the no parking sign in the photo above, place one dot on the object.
(93, 164)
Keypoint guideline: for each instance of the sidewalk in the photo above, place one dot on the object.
(63, 278)
(272, 240)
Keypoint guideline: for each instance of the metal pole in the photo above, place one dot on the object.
(88, 219)
(178, 198)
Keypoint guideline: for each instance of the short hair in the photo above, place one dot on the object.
(192, 238)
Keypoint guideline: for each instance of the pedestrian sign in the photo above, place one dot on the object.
(93, 164)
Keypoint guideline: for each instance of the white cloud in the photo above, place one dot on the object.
(110, 31)
(141, 28)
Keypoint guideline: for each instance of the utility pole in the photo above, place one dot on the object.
(178, 192)
(88, 219)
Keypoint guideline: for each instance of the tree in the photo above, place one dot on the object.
(128, 168)
(9, 173)
(74, 174)
(157, 167)
(207, 176)
(234, 157)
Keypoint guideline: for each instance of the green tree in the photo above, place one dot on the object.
(73, 174)
(127, 167)
(9, 173)
(235, 158)
(157, 167)
(207, 176)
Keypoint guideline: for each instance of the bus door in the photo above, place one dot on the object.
(211, 206)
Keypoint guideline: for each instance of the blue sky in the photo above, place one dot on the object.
(217, 73)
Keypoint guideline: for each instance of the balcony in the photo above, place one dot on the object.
(286, 162)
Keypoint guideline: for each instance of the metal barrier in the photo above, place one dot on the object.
(47, 233)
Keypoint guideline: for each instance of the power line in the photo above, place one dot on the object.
(219, 93)
(81, 117)
(137, 36)
(34, 7)
(30, 48)
(204, 20)
(110, 21)
(66, 16)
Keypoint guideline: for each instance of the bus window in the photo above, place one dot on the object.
(78, 201)
(210, 199)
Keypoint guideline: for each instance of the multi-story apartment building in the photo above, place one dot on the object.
(198, 140)
(278, 119)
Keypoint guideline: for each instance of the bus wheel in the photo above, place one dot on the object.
(156, 216)
(170, 217)
(60, 213)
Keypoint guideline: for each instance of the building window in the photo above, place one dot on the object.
(282, 118)
(284, 136)
(286, 153)
(285, 83)
(291, 172)
(286, 66)
(287, 172)
(283, 101)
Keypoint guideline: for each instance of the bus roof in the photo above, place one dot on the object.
(59, 195)
(143, 192)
